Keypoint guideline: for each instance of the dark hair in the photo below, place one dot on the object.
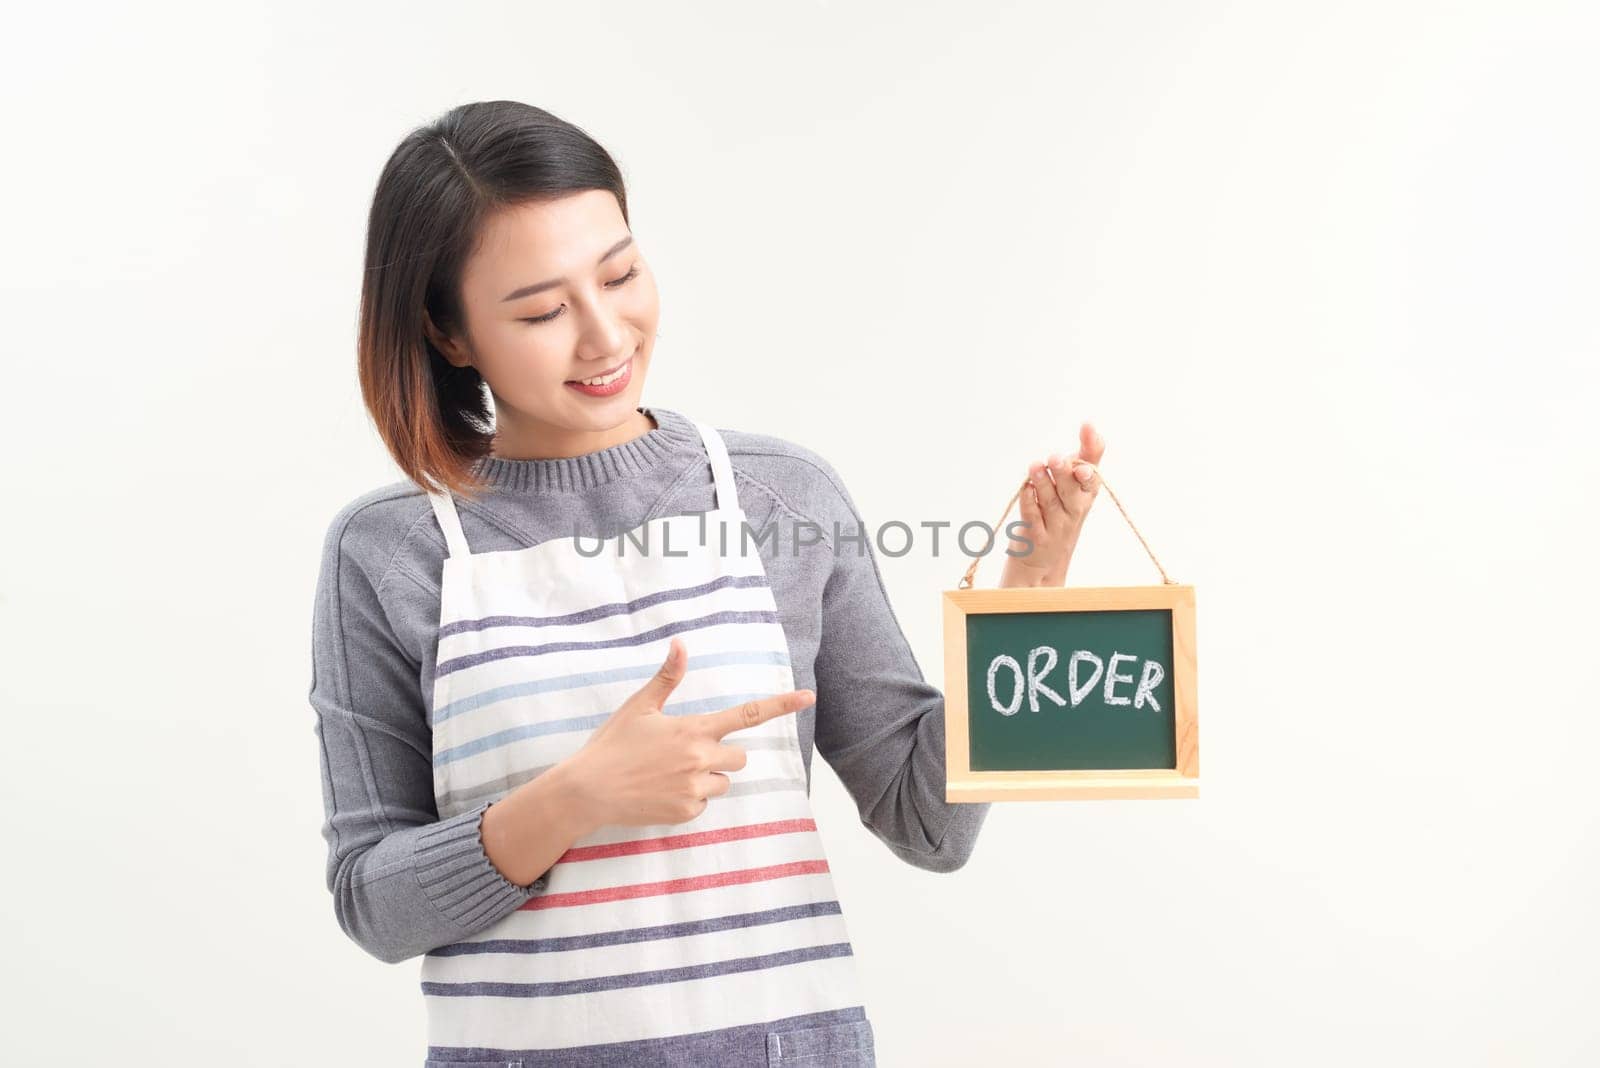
(440, 185)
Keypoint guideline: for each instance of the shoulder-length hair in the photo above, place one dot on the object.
(437, 189)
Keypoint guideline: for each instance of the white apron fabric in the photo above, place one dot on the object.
(715, 941)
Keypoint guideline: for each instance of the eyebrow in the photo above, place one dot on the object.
(539, 287)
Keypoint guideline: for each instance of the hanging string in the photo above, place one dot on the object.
(966, 580)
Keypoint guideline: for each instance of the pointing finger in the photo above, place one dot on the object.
(755, 712)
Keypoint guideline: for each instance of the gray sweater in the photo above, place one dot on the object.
(405, 882)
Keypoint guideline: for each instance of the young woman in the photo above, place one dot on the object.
(577, 781)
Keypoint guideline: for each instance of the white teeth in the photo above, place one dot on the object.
(604, 379)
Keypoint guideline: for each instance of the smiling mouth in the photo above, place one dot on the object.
(601, 378)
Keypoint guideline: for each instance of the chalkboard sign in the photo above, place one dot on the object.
(1057, 693)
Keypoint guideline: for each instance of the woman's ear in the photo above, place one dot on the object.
(447, 346)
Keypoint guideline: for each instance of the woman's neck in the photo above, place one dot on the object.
(559, 443)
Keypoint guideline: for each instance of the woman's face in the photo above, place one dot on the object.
(557, 292)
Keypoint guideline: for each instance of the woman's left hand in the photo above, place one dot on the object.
(1055, 503)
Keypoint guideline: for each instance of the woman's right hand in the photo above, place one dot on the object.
(642, 766)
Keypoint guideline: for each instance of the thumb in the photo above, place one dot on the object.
(654, 693)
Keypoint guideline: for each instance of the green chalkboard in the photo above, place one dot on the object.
(1070, 690)
(1083, 693)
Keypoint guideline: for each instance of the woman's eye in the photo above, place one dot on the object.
(633, 272)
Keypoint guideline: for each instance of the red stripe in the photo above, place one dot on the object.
(685, 841)
(676, 886)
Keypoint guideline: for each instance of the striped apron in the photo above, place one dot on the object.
(718, 941)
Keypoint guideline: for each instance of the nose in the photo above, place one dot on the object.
(605, 340)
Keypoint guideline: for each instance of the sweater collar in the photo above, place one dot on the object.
(673, 436)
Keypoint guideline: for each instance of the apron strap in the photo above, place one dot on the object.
(444, 509)
(721, 468)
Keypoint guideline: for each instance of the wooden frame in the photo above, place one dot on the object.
(964, 784)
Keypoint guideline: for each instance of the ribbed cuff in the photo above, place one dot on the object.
(459, 878)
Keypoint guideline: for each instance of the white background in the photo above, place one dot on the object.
(1325, 275)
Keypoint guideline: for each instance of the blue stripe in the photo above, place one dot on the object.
(642, 638)
(562, 987)
(639, 934)
(578, 723)
(616, 608)
(596, 678)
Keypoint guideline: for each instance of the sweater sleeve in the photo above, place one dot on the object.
(879, 723)
(403, 881)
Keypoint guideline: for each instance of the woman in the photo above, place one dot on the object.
(578, 780)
